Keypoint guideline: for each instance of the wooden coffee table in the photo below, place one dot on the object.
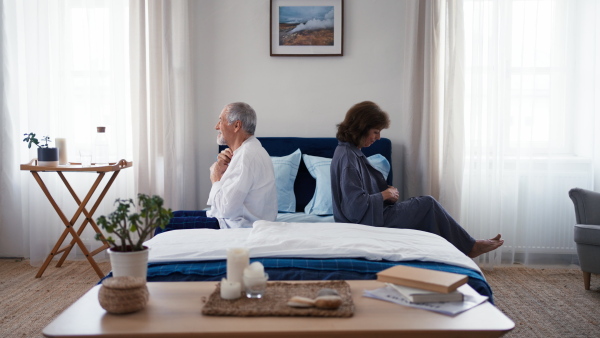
(175, 309)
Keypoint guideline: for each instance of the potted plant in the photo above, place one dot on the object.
(46, 156)
(128, 255)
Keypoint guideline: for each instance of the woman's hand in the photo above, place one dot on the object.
(390, 195)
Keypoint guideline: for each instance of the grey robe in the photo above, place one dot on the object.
(356, 189)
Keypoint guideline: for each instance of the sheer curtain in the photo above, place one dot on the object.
(65, 72)
(165, 123)
(530, 105)
(420, 97)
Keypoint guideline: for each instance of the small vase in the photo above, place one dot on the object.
(119, 295)
(129, 263)
(47, 157)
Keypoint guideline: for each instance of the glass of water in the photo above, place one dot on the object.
(86, 157)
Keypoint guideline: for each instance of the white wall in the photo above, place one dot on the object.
(300, 96)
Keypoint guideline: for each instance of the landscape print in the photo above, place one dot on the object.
(306, 26)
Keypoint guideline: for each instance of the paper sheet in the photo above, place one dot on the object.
(471, 299)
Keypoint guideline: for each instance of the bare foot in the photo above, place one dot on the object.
(485, 245)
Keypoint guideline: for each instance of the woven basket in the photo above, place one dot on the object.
(124, 294)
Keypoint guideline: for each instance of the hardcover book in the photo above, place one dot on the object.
(431, 280)
(415, 295)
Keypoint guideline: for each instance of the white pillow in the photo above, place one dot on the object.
(319, 168)
(286, 169)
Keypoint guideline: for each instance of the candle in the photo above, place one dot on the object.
(61, 144)
(254, 270)
(230, 290)
(255, 280)
(237, 260)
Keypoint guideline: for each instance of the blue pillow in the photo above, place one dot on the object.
(318, 167)
(321, 202)
(286, 169)
(380, 163)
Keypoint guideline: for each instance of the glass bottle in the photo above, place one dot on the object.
(101, 147)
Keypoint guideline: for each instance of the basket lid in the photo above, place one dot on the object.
(124, 282)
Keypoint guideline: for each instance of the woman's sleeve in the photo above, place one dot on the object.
(357, 204)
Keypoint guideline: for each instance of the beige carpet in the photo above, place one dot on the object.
(541, 302)
(28, 304)
(547, 302)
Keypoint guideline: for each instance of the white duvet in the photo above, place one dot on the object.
(308, 240)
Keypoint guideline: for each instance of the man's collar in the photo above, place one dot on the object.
(242, 143)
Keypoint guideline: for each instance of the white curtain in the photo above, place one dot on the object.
(422, 165)
(164, 121)
(530, 105)
(451, 50)
(64, 71)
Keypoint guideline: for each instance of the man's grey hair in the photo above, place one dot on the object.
(243, 112)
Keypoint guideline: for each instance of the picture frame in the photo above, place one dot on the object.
(306, 27)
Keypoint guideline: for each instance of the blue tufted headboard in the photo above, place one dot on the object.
(304, 187)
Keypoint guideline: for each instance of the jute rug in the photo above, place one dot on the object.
(541, 302)
(28, 304)
(547, 302)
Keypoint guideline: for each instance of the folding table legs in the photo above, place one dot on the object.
(69, 224)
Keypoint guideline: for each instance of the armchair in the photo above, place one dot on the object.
(587, 231)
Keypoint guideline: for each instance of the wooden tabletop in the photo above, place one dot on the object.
(77, 167)
(174, 309)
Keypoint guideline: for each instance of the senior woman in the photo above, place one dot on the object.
(361, 194)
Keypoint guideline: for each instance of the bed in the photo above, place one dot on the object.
(304, 243)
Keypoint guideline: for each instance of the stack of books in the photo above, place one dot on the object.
(419, 285)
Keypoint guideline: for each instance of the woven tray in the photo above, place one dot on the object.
(274, 301)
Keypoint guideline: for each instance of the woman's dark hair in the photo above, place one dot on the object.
(361, 118)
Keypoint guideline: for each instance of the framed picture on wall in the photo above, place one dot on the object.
(307, 27)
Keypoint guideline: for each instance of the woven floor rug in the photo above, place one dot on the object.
(547, 302)
(28, 304)
(541, 302)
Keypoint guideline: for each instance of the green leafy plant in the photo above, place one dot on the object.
(124, 225)
(31, 139)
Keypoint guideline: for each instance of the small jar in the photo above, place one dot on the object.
(119, 295)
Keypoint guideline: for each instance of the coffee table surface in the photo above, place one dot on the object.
(174, 309)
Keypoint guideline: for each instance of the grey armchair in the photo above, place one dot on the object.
(587, 231)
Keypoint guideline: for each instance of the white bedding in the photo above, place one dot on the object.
(309, 240)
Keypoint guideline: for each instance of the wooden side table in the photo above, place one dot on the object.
(115, 168)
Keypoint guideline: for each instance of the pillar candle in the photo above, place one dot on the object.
(230, 290)
(237, 260)
(61, 144)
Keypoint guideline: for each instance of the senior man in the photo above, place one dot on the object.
(243, 181)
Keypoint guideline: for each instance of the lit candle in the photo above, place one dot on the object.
(61, 144)
(237, 260)
(230, 290)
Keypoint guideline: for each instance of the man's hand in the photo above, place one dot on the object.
(224, 157)
(218, 168)
(390, 195)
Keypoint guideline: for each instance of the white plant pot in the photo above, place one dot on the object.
(132, 263)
